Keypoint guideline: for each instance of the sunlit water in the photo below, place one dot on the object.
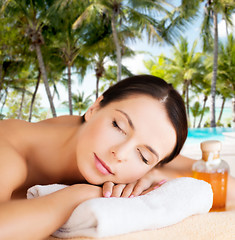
(197, 135)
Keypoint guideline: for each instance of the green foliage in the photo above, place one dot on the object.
(226, 65)
(13, 106)
(157, 67)
(48, 24)
(228, 122)
(80, 102)
(197, 110)
(207, 124)
(219, 124)
(2, 116)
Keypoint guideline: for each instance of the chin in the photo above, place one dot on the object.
(93, 181)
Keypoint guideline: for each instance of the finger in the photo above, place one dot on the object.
(154, 187)
(127, 191)
(141, 186)
(108, 189)
(147, 190)
(160, 183)
(117, 190)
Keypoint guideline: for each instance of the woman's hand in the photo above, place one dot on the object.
(86, 191)
(149, 182)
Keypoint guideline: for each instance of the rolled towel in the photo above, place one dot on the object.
(174, 201)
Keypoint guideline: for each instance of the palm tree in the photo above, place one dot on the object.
(212, 9)
(10, 51)
(226, 69)
(138, 16)
(98, 47)
(66, 42)
(197, 111)
(31, 17)
(80, 102)
(159, 66)
(110, 76)
(202, 86)
(20, 83)
(102, 51)
(15, 77)
(34, 96)
(184, 67)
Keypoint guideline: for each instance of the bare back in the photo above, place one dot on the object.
(37, 153)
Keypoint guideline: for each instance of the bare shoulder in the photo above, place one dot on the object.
(61, 120)
(13, 168)
(14, 131)
(8, 124)
(21, 145)
(15, 126)
(23, 135)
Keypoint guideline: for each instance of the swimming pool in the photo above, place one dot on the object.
(197, 135)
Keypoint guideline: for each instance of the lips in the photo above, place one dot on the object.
(101, 166)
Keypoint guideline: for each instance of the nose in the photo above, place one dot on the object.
(120, 153)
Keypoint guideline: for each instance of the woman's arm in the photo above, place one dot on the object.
(181, 166)
(38, 218)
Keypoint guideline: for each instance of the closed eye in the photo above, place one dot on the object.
(142, 157)
(115, 125)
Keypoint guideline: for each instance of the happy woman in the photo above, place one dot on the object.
(112, 150)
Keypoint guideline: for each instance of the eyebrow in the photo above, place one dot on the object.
(127, 117)
(152, 151)
(132, 127)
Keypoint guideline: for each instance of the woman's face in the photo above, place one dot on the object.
(122, 141)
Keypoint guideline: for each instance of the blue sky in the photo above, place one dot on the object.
(135, 64)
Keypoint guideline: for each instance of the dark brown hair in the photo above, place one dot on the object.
(160, 90)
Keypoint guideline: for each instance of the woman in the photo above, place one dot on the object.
(112, 150)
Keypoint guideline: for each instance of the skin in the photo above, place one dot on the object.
(62, 150)
(117, 136)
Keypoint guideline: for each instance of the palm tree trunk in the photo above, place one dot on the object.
(184, 90)
(21, 105)
(1, 76)
(97, 86)
(118, 48)
(215, 64)
(44, 77)
(194, 122)
(221, 110)
(187, 97)
(99, 71)
(233, 107)
(1, 79)
(70, 90)
(226, 25)
(5, 100)
(203, 111)
(34, 96)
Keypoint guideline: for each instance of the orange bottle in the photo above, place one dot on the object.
(214, 171)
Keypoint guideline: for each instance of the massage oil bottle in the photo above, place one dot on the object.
(214, 171)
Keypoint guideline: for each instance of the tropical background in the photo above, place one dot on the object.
(58, 56)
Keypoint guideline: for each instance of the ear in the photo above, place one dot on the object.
(93, 108)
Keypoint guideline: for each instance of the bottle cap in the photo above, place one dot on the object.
(211, 146)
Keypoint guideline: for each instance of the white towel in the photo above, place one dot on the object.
(102, 217)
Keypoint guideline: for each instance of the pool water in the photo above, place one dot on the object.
(197, 135)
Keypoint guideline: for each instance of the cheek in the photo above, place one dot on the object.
(94, 133)
(103, 135)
